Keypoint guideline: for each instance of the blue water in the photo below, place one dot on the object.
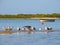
(35, 23)
(38, 38)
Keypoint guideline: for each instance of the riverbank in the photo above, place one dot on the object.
(30, 18)
(11, 32)
(4, 32)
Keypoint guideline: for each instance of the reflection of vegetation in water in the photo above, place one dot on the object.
(27, 16)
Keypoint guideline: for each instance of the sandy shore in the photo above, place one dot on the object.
(11, 32)
(4, 32)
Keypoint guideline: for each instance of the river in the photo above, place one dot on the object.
(38, 38)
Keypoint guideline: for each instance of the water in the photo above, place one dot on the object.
(38, 38)
(35, 23)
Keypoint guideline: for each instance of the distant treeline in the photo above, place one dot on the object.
(30, 15)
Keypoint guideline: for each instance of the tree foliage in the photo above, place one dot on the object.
(30, 15)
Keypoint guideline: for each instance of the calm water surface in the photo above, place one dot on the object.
(38, 38)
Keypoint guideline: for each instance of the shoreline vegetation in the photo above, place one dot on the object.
(29, 16)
